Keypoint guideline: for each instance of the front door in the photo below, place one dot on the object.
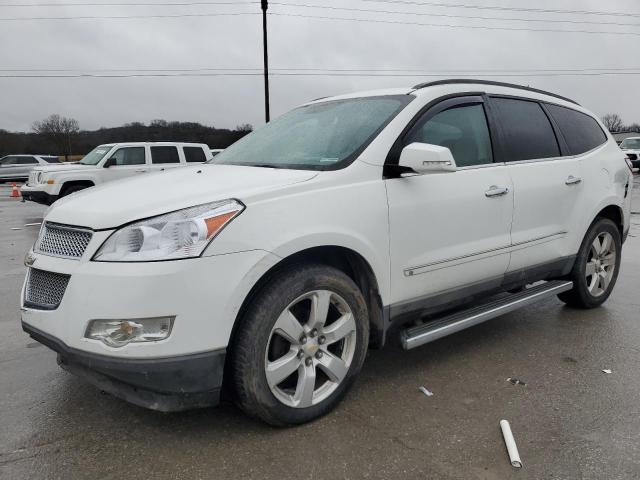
(450, 232)
(127, 162)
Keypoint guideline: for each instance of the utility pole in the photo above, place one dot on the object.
(265, 5)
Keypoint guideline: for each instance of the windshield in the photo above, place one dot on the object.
(95, 155)
(322, 136)
(631, 143)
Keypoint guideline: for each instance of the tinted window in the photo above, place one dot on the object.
(9, 161)
(581, 132)
(51, 159)
(129, 156)
(463, 130)
(26, 160)
(194, 154)
(527, 131)
(164, 155)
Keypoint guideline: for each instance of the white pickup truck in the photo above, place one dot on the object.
(110, 162)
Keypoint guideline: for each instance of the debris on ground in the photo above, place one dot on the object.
(606, 370)
(16, 228)
(515, 381)
(428, 393)
(510, 442)
(35, 224)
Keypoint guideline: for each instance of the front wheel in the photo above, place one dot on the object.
(597, 264)
(300, 345)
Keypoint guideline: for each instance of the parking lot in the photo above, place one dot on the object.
(570, 420)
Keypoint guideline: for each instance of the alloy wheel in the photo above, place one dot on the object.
(310, 349)
(601, 264)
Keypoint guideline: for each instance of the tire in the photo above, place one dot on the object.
(589, 291)
(72, 189)
(266, 340)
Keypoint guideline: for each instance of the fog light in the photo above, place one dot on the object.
(118, 333)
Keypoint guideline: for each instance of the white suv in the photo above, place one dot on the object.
(273, 268)
(106, 163)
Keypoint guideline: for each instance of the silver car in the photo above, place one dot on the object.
(17, 167)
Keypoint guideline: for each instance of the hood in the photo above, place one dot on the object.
(64, 167)
(123, 201)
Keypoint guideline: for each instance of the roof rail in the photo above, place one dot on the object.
(490, 82)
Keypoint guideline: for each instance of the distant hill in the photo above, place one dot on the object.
(156, 131)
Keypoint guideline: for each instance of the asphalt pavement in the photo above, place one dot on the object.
(569, 418)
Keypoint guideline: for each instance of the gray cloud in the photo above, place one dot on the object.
(235, 42)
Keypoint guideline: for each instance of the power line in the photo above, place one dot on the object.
(127, 4)
(449, 15)
(321, 74)
(322, 69)
(443, 25)
(510, 9)
(127, 17)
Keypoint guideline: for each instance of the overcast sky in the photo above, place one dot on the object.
(235, 42)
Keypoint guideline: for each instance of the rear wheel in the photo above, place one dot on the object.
(596, 269)
(300, 345)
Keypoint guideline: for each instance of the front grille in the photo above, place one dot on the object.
(44, 289)
(33, 178)
(62, 241)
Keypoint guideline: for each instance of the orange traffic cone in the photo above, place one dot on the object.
(15, 193)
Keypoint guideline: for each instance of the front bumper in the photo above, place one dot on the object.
(34, 194)
(165, 384)
(184, 370)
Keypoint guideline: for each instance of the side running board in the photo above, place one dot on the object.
(455, 322)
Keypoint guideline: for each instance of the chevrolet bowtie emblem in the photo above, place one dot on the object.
(29, 260)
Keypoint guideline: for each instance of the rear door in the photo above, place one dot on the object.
(8, 167)
(25, 165)
(449, 232)
(163, 157)
(547, 185)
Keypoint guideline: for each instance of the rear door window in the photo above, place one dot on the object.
(9, 161)
(194, 154)
(581, 132)
(27, 161)
(527, 132)
(129, 156)
(51, 159)
(463, 130)
(164, 154)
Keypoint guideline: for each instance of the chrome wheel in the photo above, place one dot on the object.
(310, 349)
(601, 264)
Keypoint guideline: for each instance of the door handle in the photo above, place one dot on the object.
(141, 171)
(571, 180)
(495, 191)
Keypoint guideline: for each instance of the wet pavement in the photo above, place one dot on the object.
(570, 420)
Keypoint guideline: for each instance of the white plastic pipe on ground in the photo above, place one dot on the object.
(514, 456)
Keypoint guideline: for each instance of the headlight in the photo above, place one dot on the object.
(182, 234)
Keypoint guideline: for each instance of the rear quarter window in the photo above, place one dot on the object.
(581, 132)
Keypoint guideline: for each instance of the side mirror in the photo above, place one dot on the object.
(426, 158)
(110, 162)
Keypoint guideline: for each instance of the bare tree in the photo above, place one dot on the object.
(245, 127)
(59, 130)
(613, 122)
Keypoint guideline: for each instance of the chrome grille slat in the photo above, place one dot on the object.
(62, 241)
(44, 289)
